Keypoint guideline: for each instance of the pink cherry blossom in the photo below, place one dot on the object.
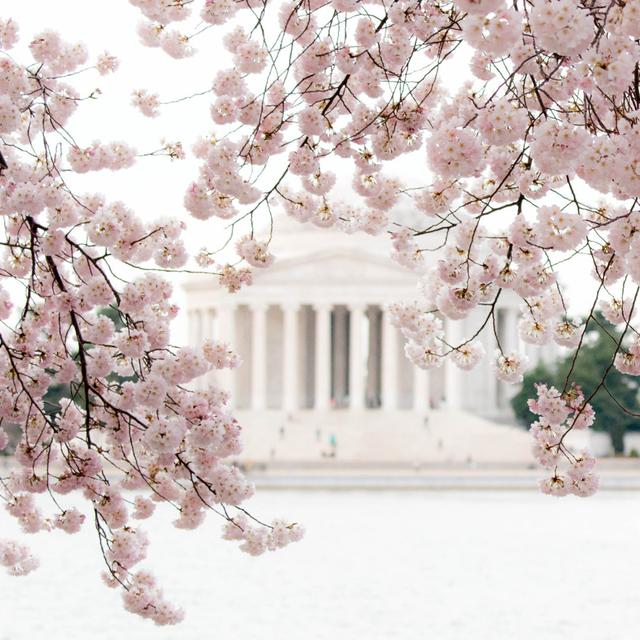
(528, 161)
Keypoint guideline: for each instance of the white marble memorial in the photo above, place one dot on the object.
(314, 335)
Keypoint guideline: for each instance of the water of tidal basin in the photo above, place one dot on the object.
(374, 565)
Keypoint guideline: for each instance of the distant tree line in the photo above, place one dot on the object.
(612, 416)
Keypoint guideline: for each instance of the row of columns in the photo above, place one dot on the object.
(223, 319)
(358, 353)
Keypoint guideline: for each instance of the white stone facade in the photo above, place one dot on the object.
(314, 335)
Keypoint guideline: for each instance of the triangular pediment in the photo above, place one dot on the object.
(334, 266)
(344, 272)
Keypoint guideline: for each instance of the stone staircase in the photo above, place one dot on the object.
(379, 439)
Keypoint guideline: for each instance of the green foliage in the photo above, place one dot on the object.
(58, 391)
(593, 359)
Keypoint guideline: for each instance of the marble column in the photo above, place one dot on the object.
(191, 327)
(357, 357)
(421, 390)
(258, 357)
(210, 326)
(202, 319)
(373, 359)
(511, 344)
(194, 336)
(225, 331)
(340, 355)
(322, 399)
(195, 327)
(389, 363)
(452, 375)
(290, 387)
(510, 338)
(491, 382)
(208, 334)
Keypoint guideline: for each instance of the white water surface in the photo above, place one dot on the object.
(470, 565)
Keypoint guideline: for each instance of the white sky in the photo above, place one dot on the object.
(154, 187)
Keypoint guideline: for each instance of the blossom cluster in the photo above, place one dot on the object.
(558, 413)
(126, 429)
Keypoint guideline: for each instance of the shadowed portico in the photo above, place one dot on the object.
(314, 334)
